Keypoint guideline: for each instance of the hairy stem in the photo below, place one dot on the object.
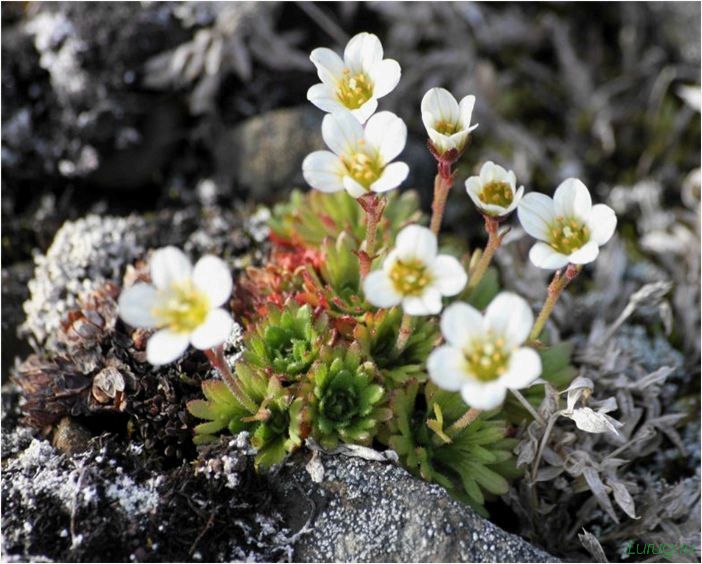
(555, 289)
(466, 419)
(442, 186)
(494, 240)
(403, 334)
(374, 206)
(220, 364)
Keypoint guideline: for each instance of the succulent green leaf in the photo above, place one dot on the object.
(210, 428)
(475, 461)
(203, 410)
(489, 480)
(345, 404)
(286, 342)
(377, 334)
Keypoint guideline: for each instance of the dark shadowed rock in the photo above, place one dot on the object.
(374, 511)
(108, 504)
(14, 292)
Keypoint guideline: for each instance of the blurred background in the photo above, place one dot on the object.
(137, 106)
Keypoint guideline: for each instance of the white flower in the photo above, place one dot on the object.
(414, 275)
(183, 303)
(447, 121)
(569, 228)
(356, 82)
(359, 160)
(494, 192)
(483, 356)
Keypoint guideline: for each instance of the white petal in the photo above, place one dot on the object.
(572, 199)
(429, 303)
(488, 172)
(380, 291)
(354, 188)
(416, 242)
(165, 346)
(429, 121)
(441, 142)
(518, 195)
(509, 316)
(536, 213)
(393, 175)
(214, 331)
(493, 209)
(385, 76)
(168, 266)
(135, 305)
(441, 104)
(512, 180)
(323, 171)
(501, 174)
(366, 110)
(483, 395)
(449, 275)
(460, 324)
(212, 276)
(324, 97)
(474, 187)
(458, 140)
(329, 65)
(545, 256)
(362, 52)
(387, 134)
(446, 367)
(524, 367)
(465, 110)
(341, 132)
(390, 260)
(602, 223)
(585, 254)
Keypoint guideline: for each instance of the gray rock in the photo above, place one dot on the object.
(263, 155)
(83, 255)
(371, 511)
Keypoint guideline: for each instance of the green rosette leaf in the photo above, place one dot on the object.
(346, 403)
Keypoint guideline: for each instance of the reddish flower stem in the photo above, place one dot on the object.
(374, 207)
(555, 289)
(442, 185)
(492, 226)
(403, 334)
(220, 364)
(443, 182)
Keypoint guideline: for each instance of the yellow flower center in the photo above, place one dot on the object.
(410, 277)
(446, 127)
(487, 360)
(363, 168)
(497, 193)
(354, 90)
(568, 234)
(182, 308)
